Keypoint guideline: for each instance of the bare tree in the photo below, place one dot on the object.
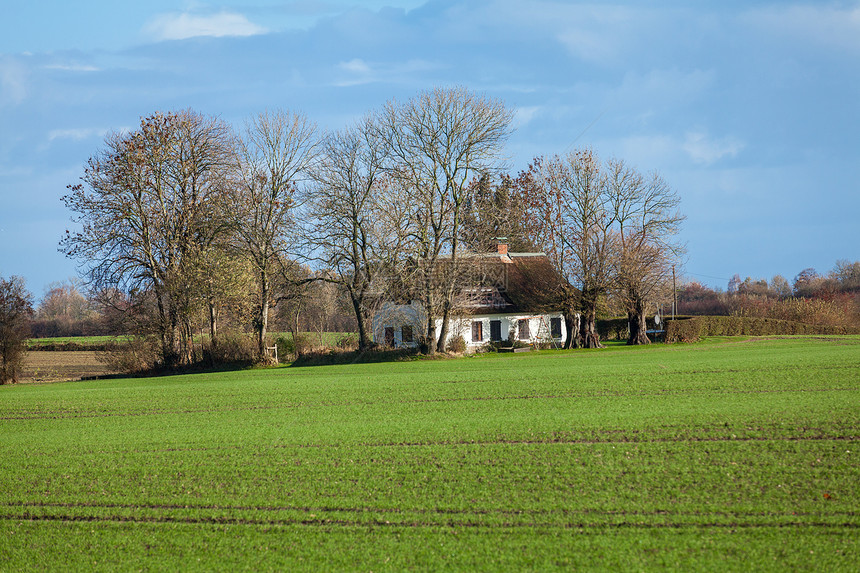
(276, 151)
(344, 231)
(64, 311)
(149, 206)
(436, 143)
(571, 217)
(646, 214)
(16, 310)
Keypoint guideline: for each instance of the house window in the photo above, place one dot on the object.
(406, 333)
(555, 327)
(524, 333)
(495, 330)
(477, 331)
(389, 336)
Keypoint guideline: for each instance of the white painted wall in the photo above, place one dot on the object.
(396, 316)
(539, 328)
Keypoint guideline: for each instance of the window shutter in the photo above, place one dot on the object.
(495, 330)
(477, 331)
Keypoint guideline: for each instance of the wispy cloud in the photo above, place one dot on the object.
(359, 72)
(76, 134)
(705, 150)
(13, 81)
(524, 115)
(73, 67)
(176, 26)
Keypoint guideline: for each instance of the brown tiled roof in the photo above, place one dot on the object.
(518, 283)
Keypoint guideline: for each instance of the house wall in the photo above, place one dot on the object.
(539, 328)
(397, 316)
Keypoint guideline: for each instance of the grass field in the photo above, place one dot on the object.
(724, 455)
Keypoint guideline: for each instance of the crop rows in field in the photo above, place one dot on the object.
(728, 449)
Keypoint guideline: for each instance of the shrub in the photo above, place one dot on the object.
(348, 342)
(292, 347)
(233, 348)
(303, 344)
(133, 356)
(457, 345)
(612, 329)
(497, 345)
(286, 347)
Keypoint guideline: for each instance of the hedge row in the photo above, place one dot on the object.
(71, 346)
(618, 328)
(690, 329)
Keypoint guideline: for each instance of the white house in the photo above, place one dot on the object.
(512, 296)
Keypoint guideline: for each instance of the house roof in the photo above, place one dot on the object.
(516, 283)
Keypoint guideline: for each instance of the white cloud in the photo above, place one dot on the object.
(705, 150)
(359, 72)
(661, 150)
(183, 26)
(524, 115)
(355, 66)
(76, 134)
(73, 68)
(662, 85)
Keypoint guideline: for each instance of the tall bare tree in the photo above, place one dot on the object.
(571, 217)
(149, 206)
(436, 143)
(344, 231)
(276, 152)
(646, 214)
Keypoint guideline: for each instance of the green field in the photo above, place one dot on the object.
(734, 455)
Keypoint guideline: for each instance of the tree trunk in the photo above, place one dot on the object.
(636, 322)
(571, 321)
(186, 339)
(213, 325)
(443, 332)
(431, 334)
(588, 324)
(165, 331)
(263, 317)
(431, 321)
(363, 339)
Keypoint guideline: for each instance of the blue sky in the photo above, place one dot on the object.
(751, 110)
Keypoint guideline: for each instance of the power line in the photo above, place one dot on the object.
(587, 128)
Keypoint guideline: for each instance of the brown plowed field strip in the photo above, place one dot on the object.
(54, 366)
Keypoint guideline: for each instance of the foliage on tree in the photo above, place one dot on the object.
(149, 206)
(493, 213)
(65, 311)
(16, 311)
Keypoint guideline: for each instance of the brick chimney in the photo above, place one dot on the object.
(503, 248)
